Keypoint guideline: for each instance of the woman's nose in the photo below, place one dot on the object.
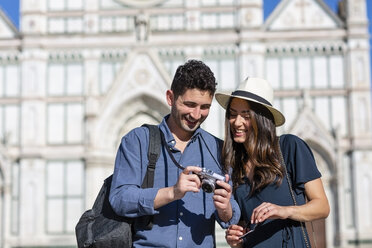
(239, 120)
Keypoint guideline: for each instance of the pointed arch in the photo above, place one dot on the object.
(310, 128)
(137, 96)
(133, 113)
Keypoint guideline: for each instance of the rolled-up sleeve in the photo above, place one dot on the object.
(127, 198)
(235, 215)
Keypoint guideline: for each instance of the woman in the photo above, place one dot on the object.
(252, 150)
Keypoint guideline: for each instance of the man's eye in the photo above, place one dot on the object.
(190, 105)
(246, 117)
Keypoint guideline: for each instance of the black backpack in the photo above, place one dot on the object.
(101, 227)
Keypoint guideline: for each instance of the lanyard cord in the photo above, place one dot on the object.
(210, 152)
(170, 152)
(175, 161)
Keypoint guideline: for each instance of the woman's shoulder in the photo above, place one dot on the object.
(295, 145)
(290, 140)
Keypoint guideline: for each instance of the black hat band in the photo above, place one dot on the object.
(246, 94)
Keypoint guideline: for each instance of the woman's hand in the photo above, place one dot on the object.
(232, 236)
(317, 206)
(268, 210)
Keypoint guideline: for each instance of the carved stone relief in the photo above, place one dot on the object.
(140, 3)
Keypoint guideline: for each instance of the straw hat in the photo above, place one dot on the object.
(255, 90)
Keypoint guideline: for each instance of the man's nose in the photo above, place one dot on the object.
(196, 113)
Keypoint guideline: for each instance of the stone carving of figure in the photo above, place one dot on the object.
(141, 23)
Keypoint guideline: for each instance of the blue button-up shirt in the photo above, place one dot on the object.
(188, 222)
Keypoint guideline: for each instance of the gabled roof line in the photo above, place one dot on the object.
(9, 23)
(333, 15)
(283, 3)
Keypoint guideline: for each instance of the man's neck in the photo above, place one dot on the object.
(178, 133)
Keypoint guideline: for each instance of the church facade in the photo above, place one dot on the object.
(79, 74)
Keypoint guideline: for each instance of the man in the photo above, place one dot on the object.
(183, 214)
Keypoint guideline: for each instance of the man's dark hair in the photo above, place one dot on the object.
(194, 74)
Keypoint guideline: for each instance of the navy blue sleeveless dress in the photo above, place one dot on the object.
(301, 168)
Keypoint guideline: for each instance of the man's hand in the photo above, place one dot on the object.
(221, 199)
(187, 182)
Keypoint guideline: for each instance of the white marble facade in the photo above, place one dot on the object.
(79, 74)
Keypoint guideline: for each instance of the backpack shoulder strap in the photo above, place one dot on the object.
(103, 193)
(152, 154)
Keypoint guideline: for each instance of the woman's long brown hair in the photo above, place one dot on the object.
(261, 149)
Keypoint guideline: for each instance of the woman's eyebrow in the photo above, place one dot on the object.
(243, 112)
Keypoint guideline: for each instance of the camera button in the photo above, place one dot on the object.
(181, 213)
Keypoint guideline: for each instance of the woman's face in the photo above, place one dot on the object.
(240, 119)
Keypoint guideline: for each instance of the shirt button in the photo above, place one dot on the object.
(181, 214)
(180, 238)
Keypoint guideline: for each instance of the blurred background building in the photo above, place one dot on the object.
(80, 73)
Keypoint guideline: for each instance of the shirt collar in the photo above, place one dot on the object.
(168, 134)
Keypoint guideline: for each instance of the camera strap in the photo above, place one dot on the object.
(170, 152)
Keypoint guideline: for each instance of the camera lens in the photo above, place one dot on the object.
(208, 186)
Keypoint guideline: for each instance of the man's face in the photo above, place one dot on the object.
(190, 109)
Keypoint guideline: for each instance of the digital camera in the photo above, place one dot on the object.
(208, 179)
